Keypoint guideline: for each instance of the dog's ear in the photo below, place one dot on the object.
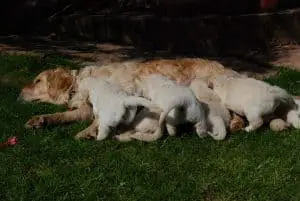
(59, 82)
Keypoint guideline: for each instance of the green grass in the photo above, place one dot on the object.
(48, 164)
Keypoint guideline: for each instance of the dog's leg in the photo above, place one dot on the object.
(218, 130)
(201, 129)
(172, 130)
(103, 131)
(171, 121)
(293, 118)
(83, 113)
(255, 120)
(89, 132)
(125, 137)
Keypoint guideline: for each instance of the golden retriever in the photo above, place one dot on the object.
(57, 86)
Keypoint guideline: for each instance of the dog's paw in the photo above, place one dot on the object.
(248, 128)
(122, 138)
(35, 122)
(296, 125)
(84, 135)
(217, 136)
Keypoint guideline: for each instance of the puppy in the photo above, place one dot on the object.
(111, 105)
(250, 97)
(146, 121)
(286, 116)
(218, 116)
(178, 103)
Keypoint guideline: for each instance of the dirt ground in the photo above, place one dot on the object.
(87, 53)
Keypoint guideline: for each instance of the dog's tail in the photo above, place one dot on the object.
(219, 131)
(139, 101)
(282, 95)
(159, 131)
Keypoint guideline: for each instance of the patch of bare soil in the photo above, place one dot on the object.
(289, 56)
(92, 53)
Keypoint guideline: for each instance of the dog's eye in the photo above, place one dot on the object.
(37, 81)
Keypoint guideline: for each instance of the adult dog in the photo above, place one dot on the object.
(57, 86)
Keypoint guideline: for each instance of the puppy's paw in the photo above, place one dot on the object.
(217, 136)
(296, 125)
(35, 122)
(122, 138)
(249, 128)
(202, 135)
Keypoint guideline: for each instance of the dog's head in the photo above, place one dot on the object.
(52, 86)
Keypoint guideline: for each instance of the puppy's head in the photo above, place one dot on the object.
(52, 86)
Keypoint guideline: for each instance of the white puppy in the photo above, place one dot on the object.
(146, 121)
(286, 116)
(111, 105)
(178, 103)
(218, 116)
(250, 97)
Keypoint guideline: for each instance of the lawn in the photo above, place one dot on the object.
(48, 164)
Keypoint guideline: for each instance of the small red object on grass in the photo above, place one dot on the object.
(10, 142)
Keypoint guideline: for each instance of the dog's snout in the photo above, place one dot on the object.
(27, 89)
(20, 98)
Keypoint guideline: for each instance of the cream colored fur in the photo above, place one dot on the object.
(178, 103)
(146, 121)
(218, 116)
(250, 97)
(287, 117)
(111, 105)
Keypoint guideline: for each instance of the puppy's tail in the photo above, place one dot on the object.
(134, 101)
(159, 131)
(282, 95)
(219, 131)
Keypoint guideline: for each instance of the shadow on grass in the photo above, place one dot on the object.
(55, 51)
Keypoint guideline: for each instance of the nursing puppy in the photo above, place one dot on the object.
(218, 116)
(178, 103)
(250, 97)
(111, 105)
(286, 116)
(146, 121)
